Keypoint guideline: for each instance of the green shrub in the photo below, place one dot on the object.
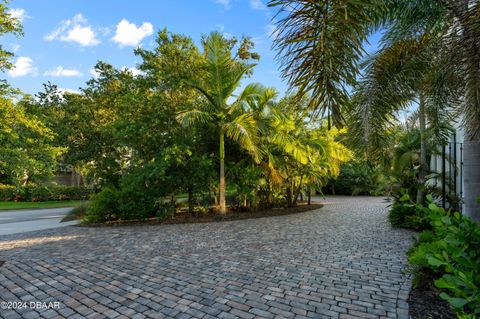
(39, 193)
(103, 206)
(406, 214)
(135, 203)
(135, 199)
(399, 213)
(165, 209)
(359, 178)
(452, 251)
(77, 213)
(7, 192)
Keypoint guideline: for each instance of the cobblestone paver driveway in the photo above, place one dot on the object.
(340, 261)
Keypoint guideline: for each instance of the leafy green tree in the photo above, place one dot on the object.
(220, 77)
(26, 152)
(8, 24)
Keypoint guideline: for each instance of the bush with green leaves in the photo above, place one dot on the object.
(39, 193)
(164, 209)
(7, 192)
(143, 191)
(359, 178)
(137, 196)
(103, 206)
(451, 250)
(407, 214)
(77, 213)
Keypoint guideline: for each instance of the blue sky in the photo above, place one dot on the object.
(65, 38)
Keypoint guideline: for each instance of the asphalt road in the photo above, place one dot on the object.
(25, 220)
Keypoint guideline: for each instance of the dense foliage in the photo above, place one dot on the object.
(428, 61)
(360, 177)
(451, 251)
(183, 128)
(26, 152)
(38, 193)
(407, 214)
(8, 25)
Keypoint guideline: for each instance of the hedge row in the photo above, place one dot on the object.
(43, 193)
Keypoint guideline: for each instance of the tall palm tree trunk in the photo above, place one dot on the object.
(223, 206)
(423, 150)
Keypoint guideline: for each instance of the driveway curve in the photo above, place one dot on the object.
(340, 261)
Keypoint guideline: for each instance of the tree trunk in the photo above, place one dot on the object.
(190, 200)
(309, 196)
(297, 191)
(223, 206)
(289, 194)
(423, 150)
(471, 173)
(215, 197)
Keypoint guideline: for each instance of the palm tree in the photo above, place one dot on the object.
(298, 155)
(399, 76)
(320, 44)
(221, 76)
(454, 24)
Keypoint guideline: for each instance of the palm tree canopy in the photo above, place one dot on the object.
(320, 44)
(220, 77)
(393, 80)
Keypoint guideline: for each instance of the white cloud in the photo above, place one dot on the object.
(60, 71)
(18, 14)
(257, 5)
(94, 73)
(128, 34)
(63, 91)
(23, 66)
(84, 36)
(224, 3)
(64, 25)
(133, 70)
(74, 30)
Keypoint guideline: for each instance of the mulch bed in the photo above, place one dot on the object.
(424, 301)
(188, 218)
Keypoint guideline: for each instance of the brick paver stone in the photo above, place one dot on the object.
(340, 261)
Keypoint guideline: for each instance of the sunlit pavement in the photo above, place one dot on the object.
(26, 220)
(340, 261)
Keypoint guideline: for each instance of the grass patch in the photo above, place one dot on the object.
(38, 205)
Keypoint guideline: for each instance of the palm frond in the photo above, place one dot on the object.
(243, 130)
(319, 46)
(191, 117)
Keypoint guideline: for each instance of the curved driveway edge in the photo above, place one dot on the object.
(27, 220)
(340, 261)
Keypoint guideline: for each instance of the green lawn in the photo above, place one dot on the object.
(30, 205)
